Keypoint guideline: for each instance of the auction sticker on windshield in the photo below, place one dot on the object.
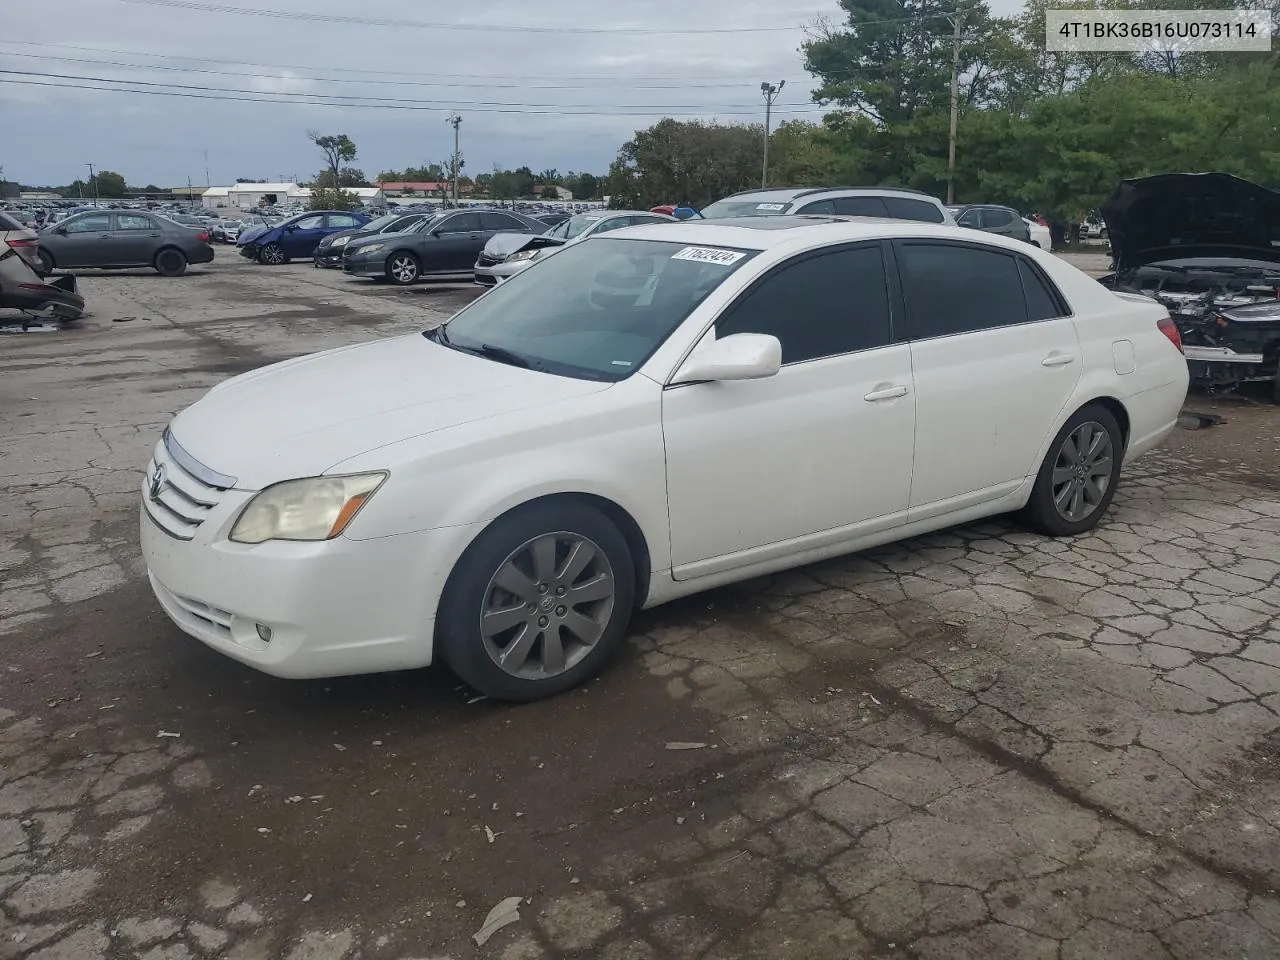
(771, 206)
(709, 255)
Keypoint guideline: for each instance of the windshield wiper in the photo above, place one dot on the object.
(503, 355)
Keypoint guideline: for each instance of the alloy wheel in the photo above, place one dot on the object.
(273, 254)
(1082, 471)
(547, 606)
(404, 269)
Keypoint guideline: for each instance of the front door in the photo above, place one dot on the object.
(300, 239)
(757, 469)
(87, 242)
(996, 360)
(135, 238)
(458, 243)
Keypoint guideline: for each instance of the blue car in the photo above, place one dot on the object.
(297, 237)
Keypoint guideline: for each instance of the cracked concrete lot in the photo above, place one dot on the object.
(979, 744)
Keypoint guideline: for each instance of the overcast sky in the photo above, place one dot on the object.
(565, 95)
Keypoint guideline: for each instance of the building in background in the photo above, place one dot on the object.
(216, 197)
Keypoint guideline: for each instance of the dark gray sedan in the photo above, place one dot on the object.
(117, 239)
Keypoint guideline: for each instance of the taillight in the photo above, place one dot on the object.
(22, 243)
(1170, 330)
(202, 237)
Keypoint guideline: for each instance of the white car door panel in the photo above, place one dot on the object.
(758, 468)
(994, 367)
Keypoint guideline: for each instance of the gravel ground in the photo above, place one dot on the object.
(977, 744)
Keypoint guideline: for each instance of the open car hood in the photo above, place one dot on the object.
(1174, 216)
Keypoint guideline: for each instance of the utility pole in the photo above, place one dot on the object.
(457, 156)
(770, 91)
(955, 107)
(207, 184)
(191, 204)
(93, 180)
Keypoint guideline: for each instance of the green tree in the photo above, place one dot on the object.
(338, 148)
(347, 177)
(109, 184)
(685, 162)
(329, 198)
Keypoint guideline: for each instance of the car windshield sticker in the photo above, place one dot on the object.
(771, 206)
(709, 255)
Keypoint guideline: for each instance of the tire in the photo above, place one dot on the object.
(403, 268)
(272, 255)
(46, 262)
(170, 263)
(509, 548)
(1063, 503)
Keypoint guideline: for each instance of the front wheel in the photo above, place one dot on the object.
(1078, 478)
(403, 268)
(272, 255)
(538, 603)
(170, 263)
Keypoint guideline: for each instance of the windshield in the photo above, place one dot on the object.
(374, 225)
(746, 208)
(426, 224)
(596, 310)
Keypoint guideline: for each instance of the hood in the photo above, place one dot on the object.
(505, 244)
(301, 417)
(1180, 215)
(328, 238)
(378, 238)
(253, 233)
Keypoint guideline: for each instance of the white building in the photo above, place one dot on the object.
(216, 197)
(250, 196)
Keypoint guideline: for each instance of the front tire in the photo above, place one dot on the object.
(170, 263)
(1078, 478)
(538, 603)
(403, 269)
(272, 255)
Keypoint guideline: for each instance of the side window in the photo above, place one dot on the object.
(1042, 304)
(951, 289)
(819, 306)
(640, 220)
(904, 208)
(500, 221)
(819, 207)
(343, 221)
(93, 223)
(310, 223)
(132, 221)
(461, 223)
(970, 218)
(996, 217)
(860, 207)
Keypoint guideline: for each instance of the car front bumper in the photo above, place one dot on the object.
(334, 608)
(365, 266)
(248, 250)
(328, 257)
(492, 276)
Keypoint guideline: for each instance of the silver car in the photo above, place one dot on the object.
(506, 254)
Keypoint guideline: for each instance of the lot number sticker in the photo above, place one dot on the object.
(709, 255)
(771, 206)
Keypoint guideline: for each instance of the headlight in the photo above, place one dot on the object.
(318, 508)
(341, 242)
(371, 248)
(522, 256)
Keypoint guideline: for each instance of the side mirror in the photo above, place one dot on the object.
(742, 356)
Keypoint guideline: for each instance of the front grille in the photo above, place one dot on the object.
(177, 500)
(488, 260)
(486, 281)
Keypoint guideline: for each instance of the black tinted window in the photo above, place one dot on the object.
(952, 289)
(818, 307)
(500, 221)
(1041, 303)
(827, 207)
(996, 217)
(904, 208)
(460, 223)
(860, 207)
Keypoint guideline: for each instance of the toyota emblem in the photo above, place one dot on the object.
(157, 483)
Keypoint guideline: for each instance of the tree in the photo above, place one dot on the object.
(109, 184)
(328, 198)
(685, 162)
(347, 177)
(337, 148)
(583, 186)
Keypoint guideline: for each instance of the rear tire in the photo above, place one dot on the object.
(573, 581)
(1078, 478)
(170, 263)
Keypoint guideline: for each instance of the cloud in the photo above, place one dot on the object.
(549, 97)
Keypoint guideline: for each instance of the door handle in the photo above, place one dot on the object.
(1057, 360)
(886, 393)
(104, 236)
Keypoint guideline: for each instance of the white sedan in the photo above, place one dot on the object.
(640, 417)
(1041, 236)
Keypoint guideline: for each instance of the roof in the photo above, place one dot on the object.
(363, 191)
(427, 185)
(791, 193)
(217, 191)
(801, 232)
(262, 188)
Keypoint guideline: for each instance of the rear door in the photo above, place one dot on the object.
(136, 237)
(996, 359)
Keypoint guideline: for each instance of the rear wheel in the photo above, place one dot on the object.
(272, 255)
(170, 263)
(1078, 478)
(539, 603)
(403, 268)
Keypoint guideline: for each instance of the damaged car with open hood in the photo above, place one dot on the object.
(1207, 247)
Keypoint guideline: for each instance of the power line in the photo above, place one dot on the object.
(388, 83)
(435, 25)
(690, 110)
(367, 100)
(744, 78)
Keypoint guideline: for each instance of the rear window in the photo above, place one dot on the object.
(745, 208)
(8, 223)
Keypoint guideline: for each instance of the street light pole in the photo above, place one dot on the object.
(457, 153)
(93, 180)
(770, 91)
(955, 108)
